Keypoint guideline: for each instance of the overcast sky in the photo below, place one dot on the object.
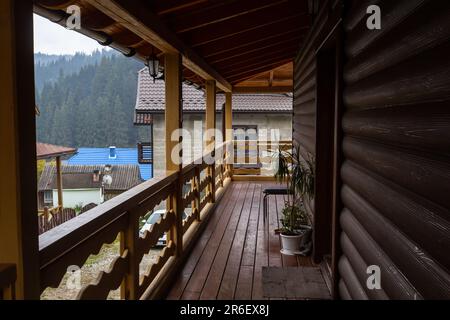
(51, 38)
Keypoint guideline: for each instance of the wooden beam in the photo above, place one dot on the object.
(218, 13)
(228, 116)
(250, 73)
(262, 89)
(210, 124)
(264, 58)
(127, 38)
(96, 20)
(254, 69)
(256, 66)
(18, 186)
(266, 32)
(59, 182)
(210, 106)
(270, 78)
(262, 76)
(275, 46)
(170, 6)
(250, 22)
(173, 110)
(149, 27)
(228, 128)
(252, 82)
(173, 122)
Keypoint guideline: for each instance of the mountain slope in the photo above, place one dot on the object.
(90, 107)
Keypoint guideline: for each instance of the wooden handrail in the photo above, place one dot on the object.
(60, 239)
(72, 242)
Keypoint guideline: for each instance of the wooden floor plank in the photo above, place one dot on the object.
(180, 283)
(202, 269)
(261, 253)
(230, 277)
(244, 285)
(213, 282)
(245, 279)
(227, 260)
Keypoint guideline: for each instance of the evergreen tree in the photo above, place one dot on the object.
(90, 107)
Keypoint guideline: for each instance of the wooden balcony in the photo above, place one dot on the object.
(217, 251)
(227, 260)
(372, 110)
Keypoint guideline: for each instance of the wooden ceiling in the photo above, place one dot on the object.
(244, 43)
(276, 80)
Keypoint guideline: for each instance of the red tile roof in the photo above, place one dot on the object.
(45, 150)
(150, 99)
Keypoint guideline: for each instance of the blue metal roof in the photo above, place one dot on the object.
(93, 156)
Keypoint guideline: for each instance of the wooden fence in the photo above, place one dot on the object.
(50, 218)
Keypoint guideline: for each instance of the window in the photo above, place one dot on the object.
(145, 154)
(48, 196)
(245, 132)
(246, 147)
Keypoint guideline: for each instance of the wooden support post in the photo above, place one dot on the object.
(228, 125)
(211, 139)
(128, 241)
(18, 186)
(59, 183)
(247, 151)
(196, 189)
(173, 122)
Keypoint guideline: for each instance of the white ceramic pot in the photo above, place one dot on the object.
(297, 244)
(290, 244)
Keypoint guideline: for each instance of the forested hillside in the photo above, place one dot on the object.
(89, 106)
(47, 67)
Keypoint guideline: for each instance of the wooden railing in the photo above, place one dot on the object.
(251, 155)
(8, 276)
(74, 241)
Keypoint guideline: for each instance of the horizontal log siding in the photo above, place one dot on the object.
(396, 145)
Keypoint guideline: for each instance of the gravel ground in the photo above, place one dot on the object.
(93, 266)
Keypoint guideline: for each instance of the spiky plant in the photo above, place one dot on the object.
(298, 174)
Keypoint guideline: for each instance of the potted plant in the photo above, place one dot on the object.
(298, 174)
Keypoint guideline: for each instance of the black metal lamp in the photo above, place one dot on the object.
(153, 66)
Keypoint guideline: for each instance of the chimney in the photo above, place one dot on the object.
(112, 152)
(96, 176)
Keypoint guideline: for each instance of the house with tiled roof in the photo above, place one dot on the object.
(86, 184)
(252, 114)
(113, 156)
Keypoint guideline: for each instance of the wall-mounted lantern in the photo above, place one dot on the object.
(153, 66)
